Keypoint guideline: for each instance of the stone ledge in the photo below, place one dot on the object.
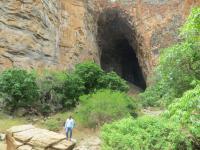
(28, 137)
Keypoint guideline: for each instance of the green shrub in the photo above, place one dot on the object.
(89, 73)
(152, 95)
(104, 106)
(95, 78)
(50, 87)
(73, 88)
(59, 90)
(179, 65)
(18, 88)
(186, 111)
(191, 29)
(159, 94)
(145, 133)
(112, 81)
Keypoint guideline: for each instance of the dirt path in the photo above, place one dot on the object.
(152, 111)
(89, 143)
(86, 139)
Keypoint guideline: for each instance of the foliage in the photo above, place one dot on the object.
(144, 133)
(95, 78)
(18, 88)
(59, 90)
(55, 90)
(73, 87)
(152, 95)
(50, 84)
(191, 29)
(112, 81)
(179, 65)
(89, 73)
(104, 106)
(186, 111)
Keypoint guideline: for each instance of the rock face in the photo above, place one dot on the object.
(57, 34)
(27, 137)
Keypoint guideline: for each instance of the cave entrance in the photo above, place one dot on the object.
(118, 48)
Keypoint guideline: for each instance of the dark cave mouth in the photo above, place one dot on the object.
(116, 52)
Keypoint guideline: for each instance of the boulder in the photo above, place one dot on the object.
(28, 137)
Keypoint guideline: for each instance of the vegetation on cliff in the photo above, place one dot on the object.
(179, 66)
(176, 87)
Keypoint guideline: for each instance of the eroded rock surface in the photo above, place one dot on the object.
(28, 137)
(57, 34)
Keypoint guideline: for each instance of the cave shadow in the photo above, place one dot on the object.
(115, 39)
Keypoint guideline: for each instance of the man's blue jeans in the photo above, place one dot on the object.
(69, 132)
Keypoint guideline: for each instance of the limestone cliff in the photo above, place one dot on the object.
(60, 33)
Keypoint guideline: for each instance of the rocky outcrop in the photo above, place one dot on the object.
(43, 33)
(57, 34)
(153, 25)
(29, 31)
(28, 137)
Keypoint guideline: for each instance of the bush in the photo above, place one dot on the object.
(159, 94)
(112, 81)
(94, 78)
(186, 111)
(144, 133)
(191, 29)
(59, 90)
(50, 87)
(179, 65)
(18, 88)
(104, 106)
(73, 88)
(89, 73)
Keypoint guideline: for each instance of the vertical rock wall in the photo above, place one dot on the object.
(76, 42)
(57, 34)
(154, 24)
(29, 33)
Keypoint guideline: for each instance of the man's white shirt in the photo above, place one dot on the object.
(69, 123)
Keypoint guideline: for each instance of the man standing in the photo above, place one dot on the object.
(69, 125)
